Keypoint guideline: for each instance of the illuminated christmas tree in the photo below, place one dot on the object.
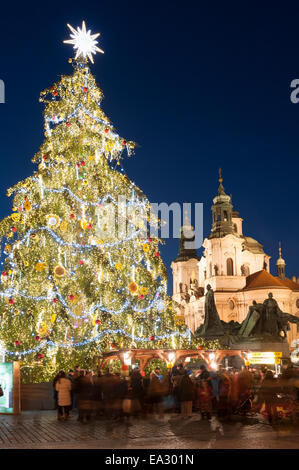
(81, 274)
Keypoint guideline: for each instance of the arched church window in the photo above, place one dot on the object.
(231, 304)
(225, 216)
(218, 217)
(229, 267)
(211, 272)
(297, 303)
(235, 228)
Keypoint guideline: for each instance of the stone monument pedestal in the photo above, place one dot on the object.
(264, 346)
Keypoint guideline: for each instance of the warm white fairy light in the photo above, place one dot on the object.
(84, 42)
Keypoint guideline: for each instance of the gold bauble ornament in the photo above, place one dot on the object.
(133, 288)
(53, 220)
(63, 226)
(15, 217)
(143, 290)
(39, 267)
(27, 205)
(145, 247)
(59, 271)
(34, 237)
(83, 224)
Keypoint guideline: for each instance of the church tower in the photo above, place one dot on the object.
(229, 256)
(185, 266)
(280, 265)
(222, 213)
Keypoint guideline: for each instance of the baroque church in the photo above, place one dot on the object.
(236, 267)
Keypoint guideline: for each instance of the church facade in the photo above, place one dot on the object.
(236, 267)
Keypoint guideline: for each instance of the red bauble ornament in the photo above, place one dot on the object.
(4, 273)
(55, 301)
(71, 297)
(83, 243)
(149, 239)
(151, 338)
(20, 208)
(89, 226)
(45, 157)
(40, 356)
(124, 142)
(106, 130)
(85, 89)
(68, 124)
(72, 216)
(55, 93)
(51, 88)
(82, 163)
(11, 301)
(140, 296)
(81, 262)
(14, 229)
(157, 254)
(37, 338)
(97, 322)
(17, 343)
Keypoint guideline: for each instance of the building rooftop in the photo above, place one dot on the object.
(264, 279)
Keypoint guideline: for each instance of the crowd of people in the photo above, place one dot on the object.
(220, 393)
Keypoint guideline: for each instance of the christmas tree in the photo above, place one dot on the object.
(81, 275)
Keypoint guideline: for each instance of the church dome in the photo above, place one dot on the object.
(252, 245)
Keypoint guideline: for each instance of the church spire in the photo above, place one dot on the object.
(222, 211)
(280, 264)
(186, 253)
(221, 188)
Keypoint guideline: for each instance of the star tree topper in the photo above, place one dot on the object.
(84, 42)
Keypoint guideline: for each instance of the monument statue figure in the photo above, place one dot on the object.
(212, 324)
(271, 320)
(252, 325)
(266, 319)
(264, 322)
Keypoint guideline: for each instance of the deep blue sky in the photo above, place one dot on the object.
(197, 84)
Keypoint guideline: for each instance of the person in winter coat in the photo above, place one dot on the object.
(204, 374)
(205, 395)
(215, 382)
(55, 393)
(154, 391)
(176, 378)
(224, 410)
(63, 387)
(185, 394)
(85, 393)
(268, 395)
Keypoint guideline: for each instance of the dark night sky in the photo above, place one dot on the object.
(197, 84)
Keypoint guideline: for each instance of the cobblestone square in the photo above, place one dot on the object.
(41, 430)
